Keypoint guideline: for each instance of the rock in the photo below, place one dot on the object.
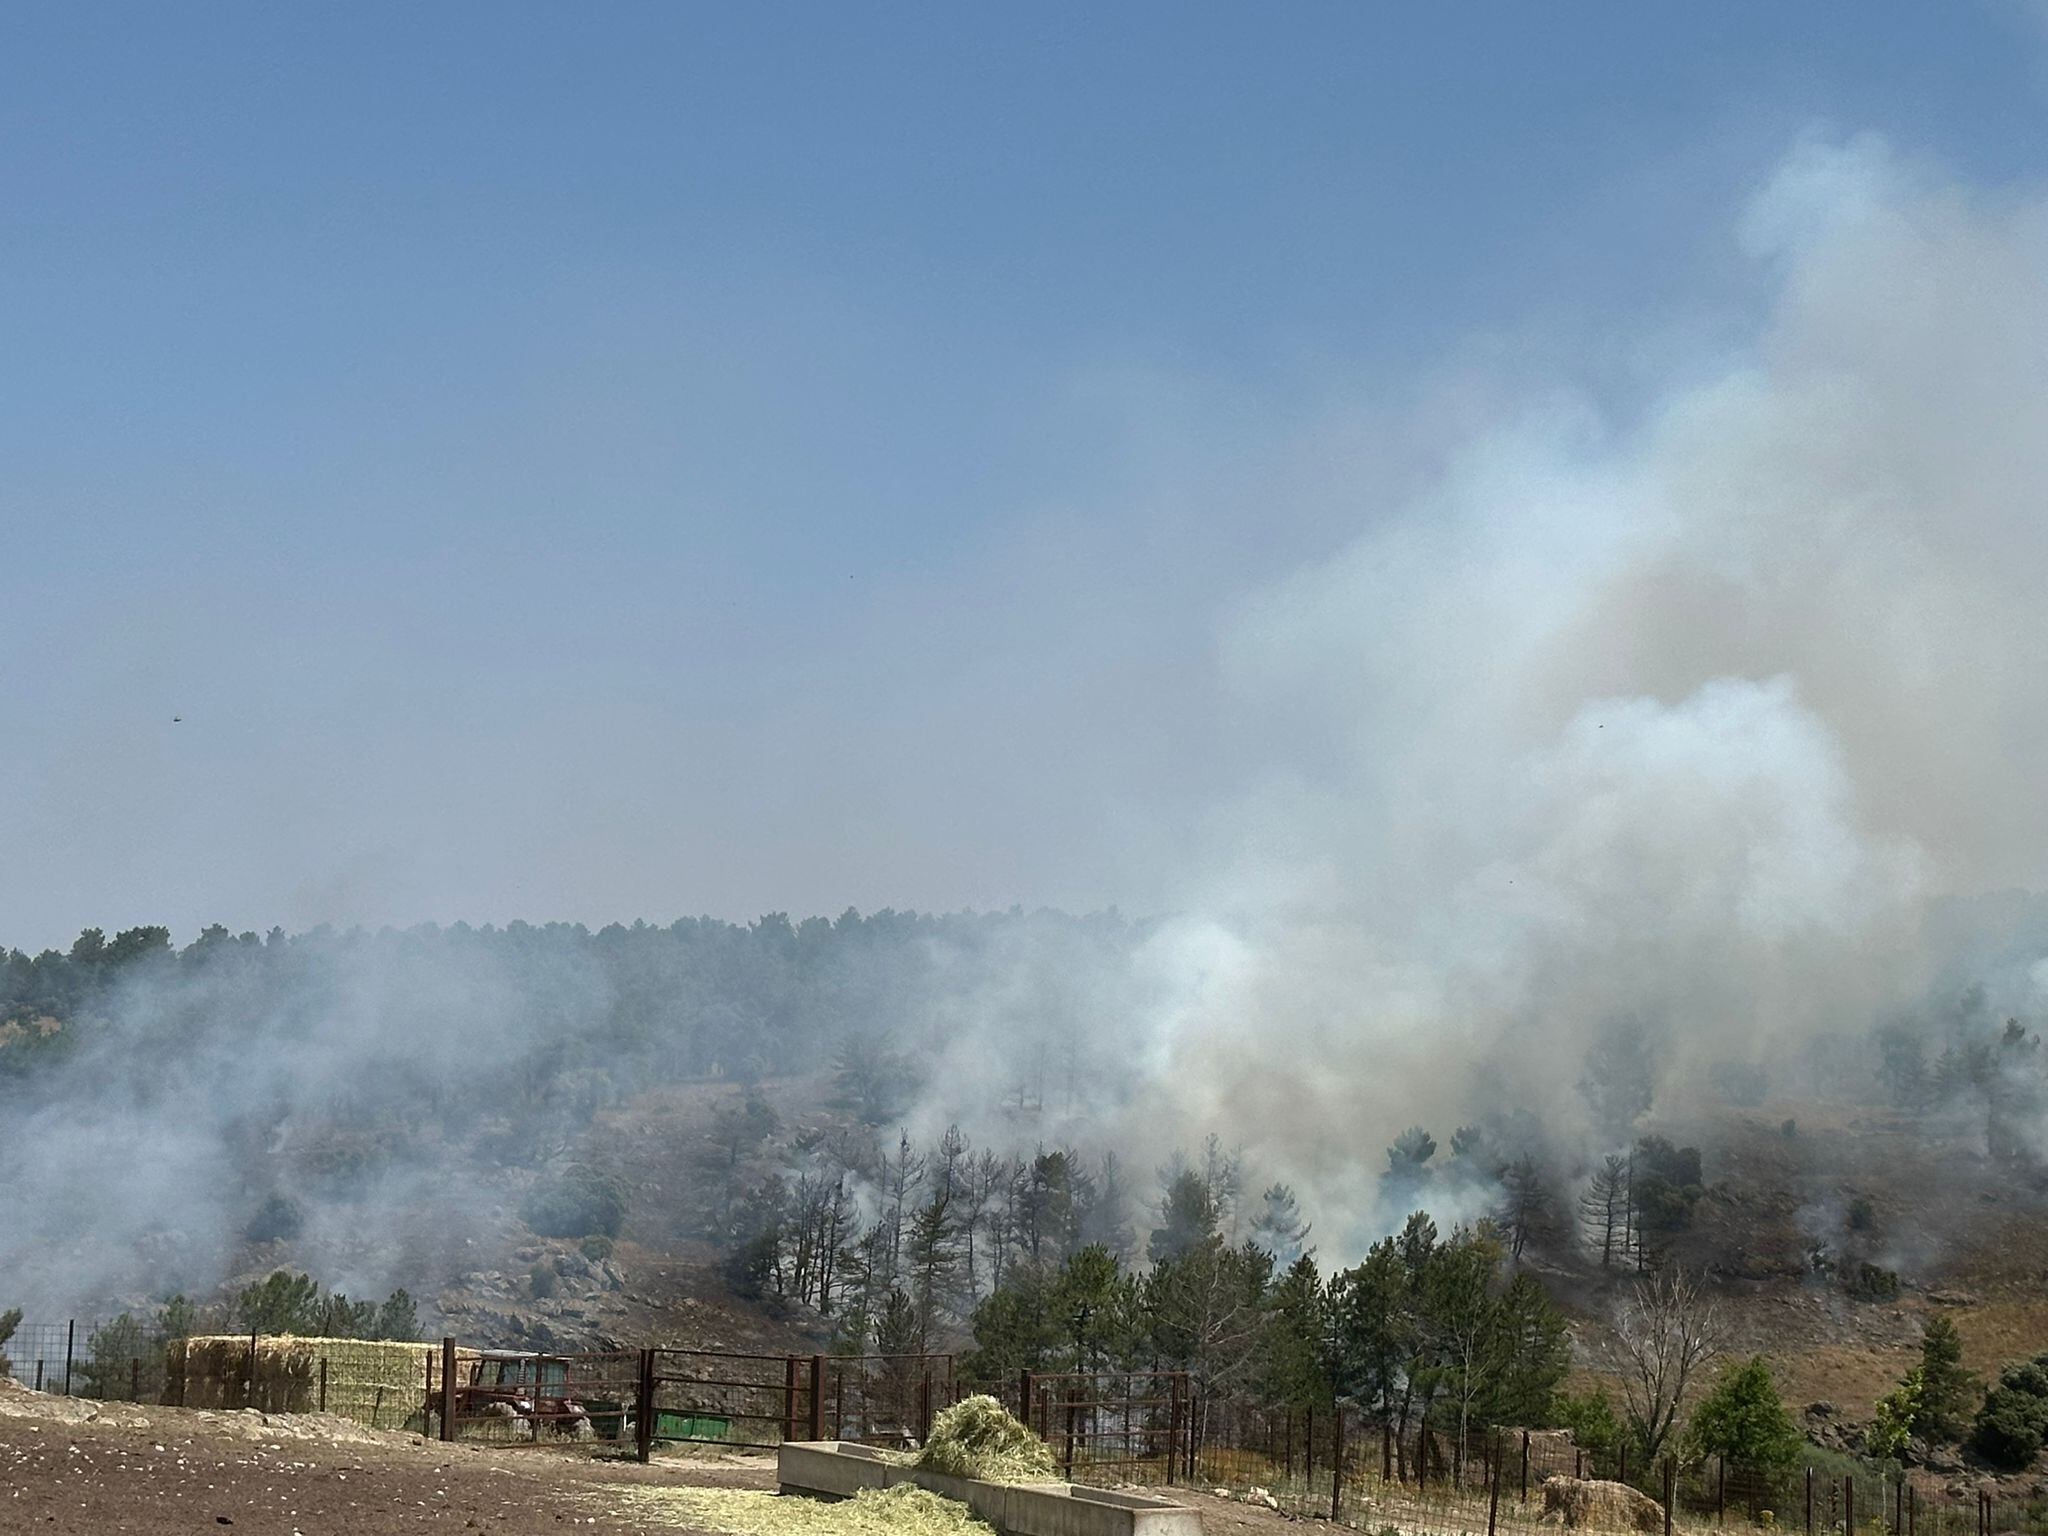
(1597, 1504)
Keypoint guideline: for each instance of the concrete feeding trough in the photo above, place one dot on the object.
(838, 1469)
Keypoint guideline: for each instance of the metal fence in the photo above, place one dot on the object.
(44, 1355)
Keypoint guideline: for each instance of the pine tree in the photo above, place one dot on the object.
(1525, 1204)
(1603, 1210)
(1945, 1387)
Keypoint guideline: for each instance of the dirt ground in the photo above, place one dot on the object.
(69, 1466)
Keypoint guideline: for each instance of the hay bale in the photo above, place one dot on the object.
(1586, 1503)
(977, 1437)
(376, 1382)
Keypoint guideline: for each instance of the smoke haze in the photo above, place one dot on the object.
(1683, 718)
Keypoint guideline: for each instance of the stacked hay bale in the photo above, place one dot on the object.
(376, 1382)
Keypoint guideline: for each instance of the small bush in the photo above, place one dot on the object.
(597, 1249)
(277, 1219)
(541, 1280)
(1869, 1282)
(1862, 1214)
(2013, 1422)
(581, 1202)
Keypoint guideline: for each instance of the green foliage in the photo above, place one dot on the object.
(9, 1321)
(1891, 1425)
(1862, 1214)
(177, 1319)
(1668, 1184)
(124, 1359)
(398, 1318)
(2013, 1422)
(872, 1082)
(1188, 1218)
(1945, 1387)
(542, 1281)
(282, 1303)
(1869, 1282)
(596, 1248)
(1590, 1417)
(581, 1201)
(1744, 1419)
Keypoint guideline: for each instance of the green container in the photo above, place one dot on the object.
(690, 1426)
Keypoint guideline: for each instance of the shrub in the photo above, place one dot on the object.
(578, 1203)
(1868, 1282)
(278, 1219)
(1591, 1419)
(1745, 1420)
(1862, 1214)
(541, 1280)
(9, 1321)
(2013, 1422)
(597, 1249)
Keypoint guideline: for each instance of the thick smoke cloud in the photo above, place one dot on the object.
(1684, 721)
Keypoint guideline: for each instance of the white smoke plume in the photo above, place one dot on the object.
(1683, 721)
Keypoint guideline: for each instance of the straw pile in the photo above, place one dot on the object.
(977, 1437)
(905, 1510)
(375, 1382)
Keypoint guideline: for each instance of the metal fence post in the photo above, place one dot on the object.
(1337, 1462)
(447, 1389)
(1024, 1397)
(1494, 1489)
(1525, 1466)
(70, 1344)
(1848, 1506)
(1172, 1429)
(323, 1383)
(818, 1399)
(1308, 1454)
(1670, 1490)
(251, 1401)
(789, 1397)
(644, 1409)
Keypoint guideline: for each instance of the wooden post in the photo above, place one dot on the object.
(323, 1382)
(1578, 1462)
(789, 1397)
(818, 1399)
(1848, 1506)
(1525, 1466)
(1308, 1457)
(447, 1389)
(1670, 1490)
(644, 1409)
(1912, 1510)
(1024, 1398)
(1809, 1501)
(1493, 1490)
(70, 1345)
(1899, 1504)
(1386, 1450)
(1337, 1465)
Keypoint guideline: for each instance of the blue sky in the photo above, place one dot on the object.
(650, 459)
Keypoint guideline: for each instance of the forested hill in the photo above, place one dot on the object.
(162, 1099)
(699, 996)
